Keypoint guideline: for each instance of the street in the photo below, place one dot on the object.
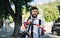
(4, 34)
(51, 36)
(8, 35)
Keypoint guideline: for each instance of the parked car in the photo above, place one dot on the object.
(56, 27)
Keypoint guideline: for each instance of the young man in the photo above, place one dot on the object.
(33, 24)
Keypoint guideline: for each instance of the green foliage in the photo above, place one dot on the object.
(5, 5)
(11, 19)
(50, 11)
(18, 5)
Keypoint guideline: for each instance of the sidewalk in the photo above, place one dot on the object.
(5, 34)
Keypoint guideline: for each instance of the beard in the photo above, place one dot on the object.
(34, 16)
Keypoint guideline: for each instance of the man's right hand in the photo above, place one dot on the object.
(23, 27)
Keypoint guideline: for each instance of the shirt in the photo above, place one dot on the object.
(35, 28)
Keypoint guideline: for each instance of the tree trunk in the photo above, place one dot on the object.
(18, 22)
(18, 18)
(1, 20)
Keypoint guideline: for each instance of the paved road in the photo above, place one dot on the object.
(4, 34)
(51, 36)
(8, 35)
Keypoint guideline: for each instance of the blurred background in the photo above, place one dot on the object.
(14, 12)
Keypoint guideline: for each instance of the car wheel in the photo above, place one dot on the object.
(54, 33)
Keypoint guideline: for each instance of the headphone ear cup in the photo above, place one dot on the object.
(38, 12)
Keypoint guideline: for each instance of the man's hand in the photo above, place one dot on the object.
(41, 26)
(23, 27)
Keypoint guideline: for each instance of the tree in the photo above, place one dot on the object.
(1, 21)
(17, 16)
(50, 11)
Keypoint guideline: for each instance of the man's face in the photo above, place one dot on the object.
(34, 13)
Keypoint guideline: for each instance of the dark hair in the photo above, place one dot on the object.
(32, 8)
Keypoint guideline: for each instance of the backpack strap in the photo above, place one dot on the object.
(39, 22)
(39, 28)
(29, 18)
(28, 28)
(29, 25)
